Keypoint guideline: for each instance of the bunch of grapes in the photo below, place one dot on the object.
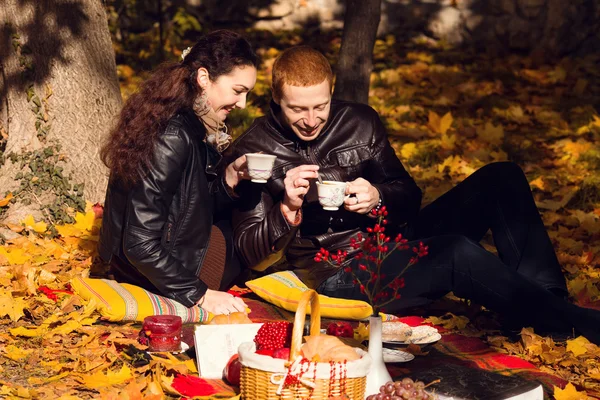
(406, 389)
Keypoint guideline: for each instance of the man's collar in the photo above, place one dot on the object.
(276, 120)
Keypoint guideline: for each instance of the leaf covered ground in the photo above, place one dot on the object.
(448, 113)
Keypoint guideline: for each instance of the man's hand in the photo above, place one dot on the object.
(217, 302)
(366, 196)
(296, 186)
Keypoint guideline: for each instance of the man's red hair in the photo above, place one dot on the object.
(299, 66)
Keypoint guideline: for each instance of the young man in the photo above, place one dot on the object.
(313, 135)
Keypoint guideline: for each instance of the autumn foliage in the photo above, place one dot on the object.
(447, 113)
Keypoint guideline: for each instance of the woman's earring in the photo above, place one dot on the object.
(201, 104)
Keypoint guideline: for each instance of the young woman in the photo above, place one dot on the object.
(163, 226)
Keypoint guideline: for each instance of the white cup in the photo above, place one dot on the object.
(331, 194)
(260, 166)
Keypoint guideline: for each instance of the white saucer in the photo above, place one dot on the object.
(423, 334)
(258, 180)
(184, 347)
(396, 356)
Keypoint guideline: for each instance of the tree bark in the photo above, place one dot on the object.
(355, 64)
(60, 53)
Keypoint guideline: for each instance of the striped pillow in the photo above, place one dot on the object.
(124, 302)
(284, 290)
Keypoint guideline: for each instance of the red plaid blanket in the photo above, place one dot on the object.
(453, 348)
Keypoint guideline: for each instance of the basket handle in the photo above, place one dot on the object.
(315, 321)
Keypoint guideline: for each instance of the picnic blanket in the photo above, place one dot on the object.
(452, 348)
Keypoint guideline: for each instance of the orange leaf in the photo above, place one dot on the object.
(4, 202)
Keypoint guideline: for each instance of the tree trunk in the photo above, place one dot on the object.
(355, 63)
(58, 85)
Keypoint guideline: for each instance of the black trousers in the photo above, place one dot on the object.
(524, 282)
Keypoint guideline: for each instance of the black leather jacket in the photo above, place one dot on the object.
(161, 227)
(352, 144)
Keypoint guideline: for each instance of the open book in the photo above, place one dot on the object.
(464, 383)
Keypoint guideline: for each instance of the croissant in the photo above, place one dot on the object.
(325, 348)
(233, 318)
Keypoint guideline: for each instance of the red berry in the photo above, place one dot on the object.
(340, 329)
(273, 335)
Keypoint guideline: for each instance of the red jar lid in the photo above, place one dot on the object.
(162, 324)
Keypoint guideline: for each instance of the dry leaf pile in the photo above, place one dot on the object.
(448, 113)
(52, 343)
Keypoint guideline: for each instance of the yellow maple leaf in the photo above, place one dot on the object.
(440, 125)
(65, 328)
(85, 221)
(15, 256)
(419, 56)
(11, 306)
(578, 346)
(52, 365)
(449, 321)
(69, 231)
(361, 332)
(4, 202)
(538, 183)
(28, 332)
(39, 227)
(15, 353)
(490, 133)
(408, 150)
(569, 393)
(99, 379)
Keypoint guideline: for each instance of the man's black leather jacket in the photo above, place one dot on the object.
(161, 226)
(352, 144)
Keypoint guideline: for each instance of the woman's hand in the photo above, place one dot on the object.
(296, 186)
(236, 171)
(217, 302)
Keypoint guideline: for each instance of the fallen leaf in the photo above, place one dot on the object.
(99, 379)
(440, 125)
(39, 227)
(4, 202)
(578, 346)
(15, 353)
(449, 321)
(538, 183)
(490, 133)
(568, 393)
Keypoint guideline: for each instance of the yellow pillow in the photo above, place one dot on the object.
(284, 290)
(124, 302)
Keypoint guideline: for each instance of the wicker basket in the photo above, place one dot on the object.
(262, 376)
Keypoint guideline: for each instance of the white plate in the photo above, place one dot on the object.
(423, 334)
(184, 347)
(395, 356)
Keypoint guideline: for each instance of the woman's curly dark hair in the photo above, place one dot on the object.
(171, 88)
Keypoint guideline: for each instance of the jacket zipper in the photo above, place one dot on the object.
(308, 155)
(169, 228)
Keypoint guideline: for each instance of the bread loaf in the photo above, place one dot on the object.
(233, 318)
(395, 331)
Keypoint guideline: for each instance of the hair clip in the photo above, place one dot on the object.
(185, 53)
